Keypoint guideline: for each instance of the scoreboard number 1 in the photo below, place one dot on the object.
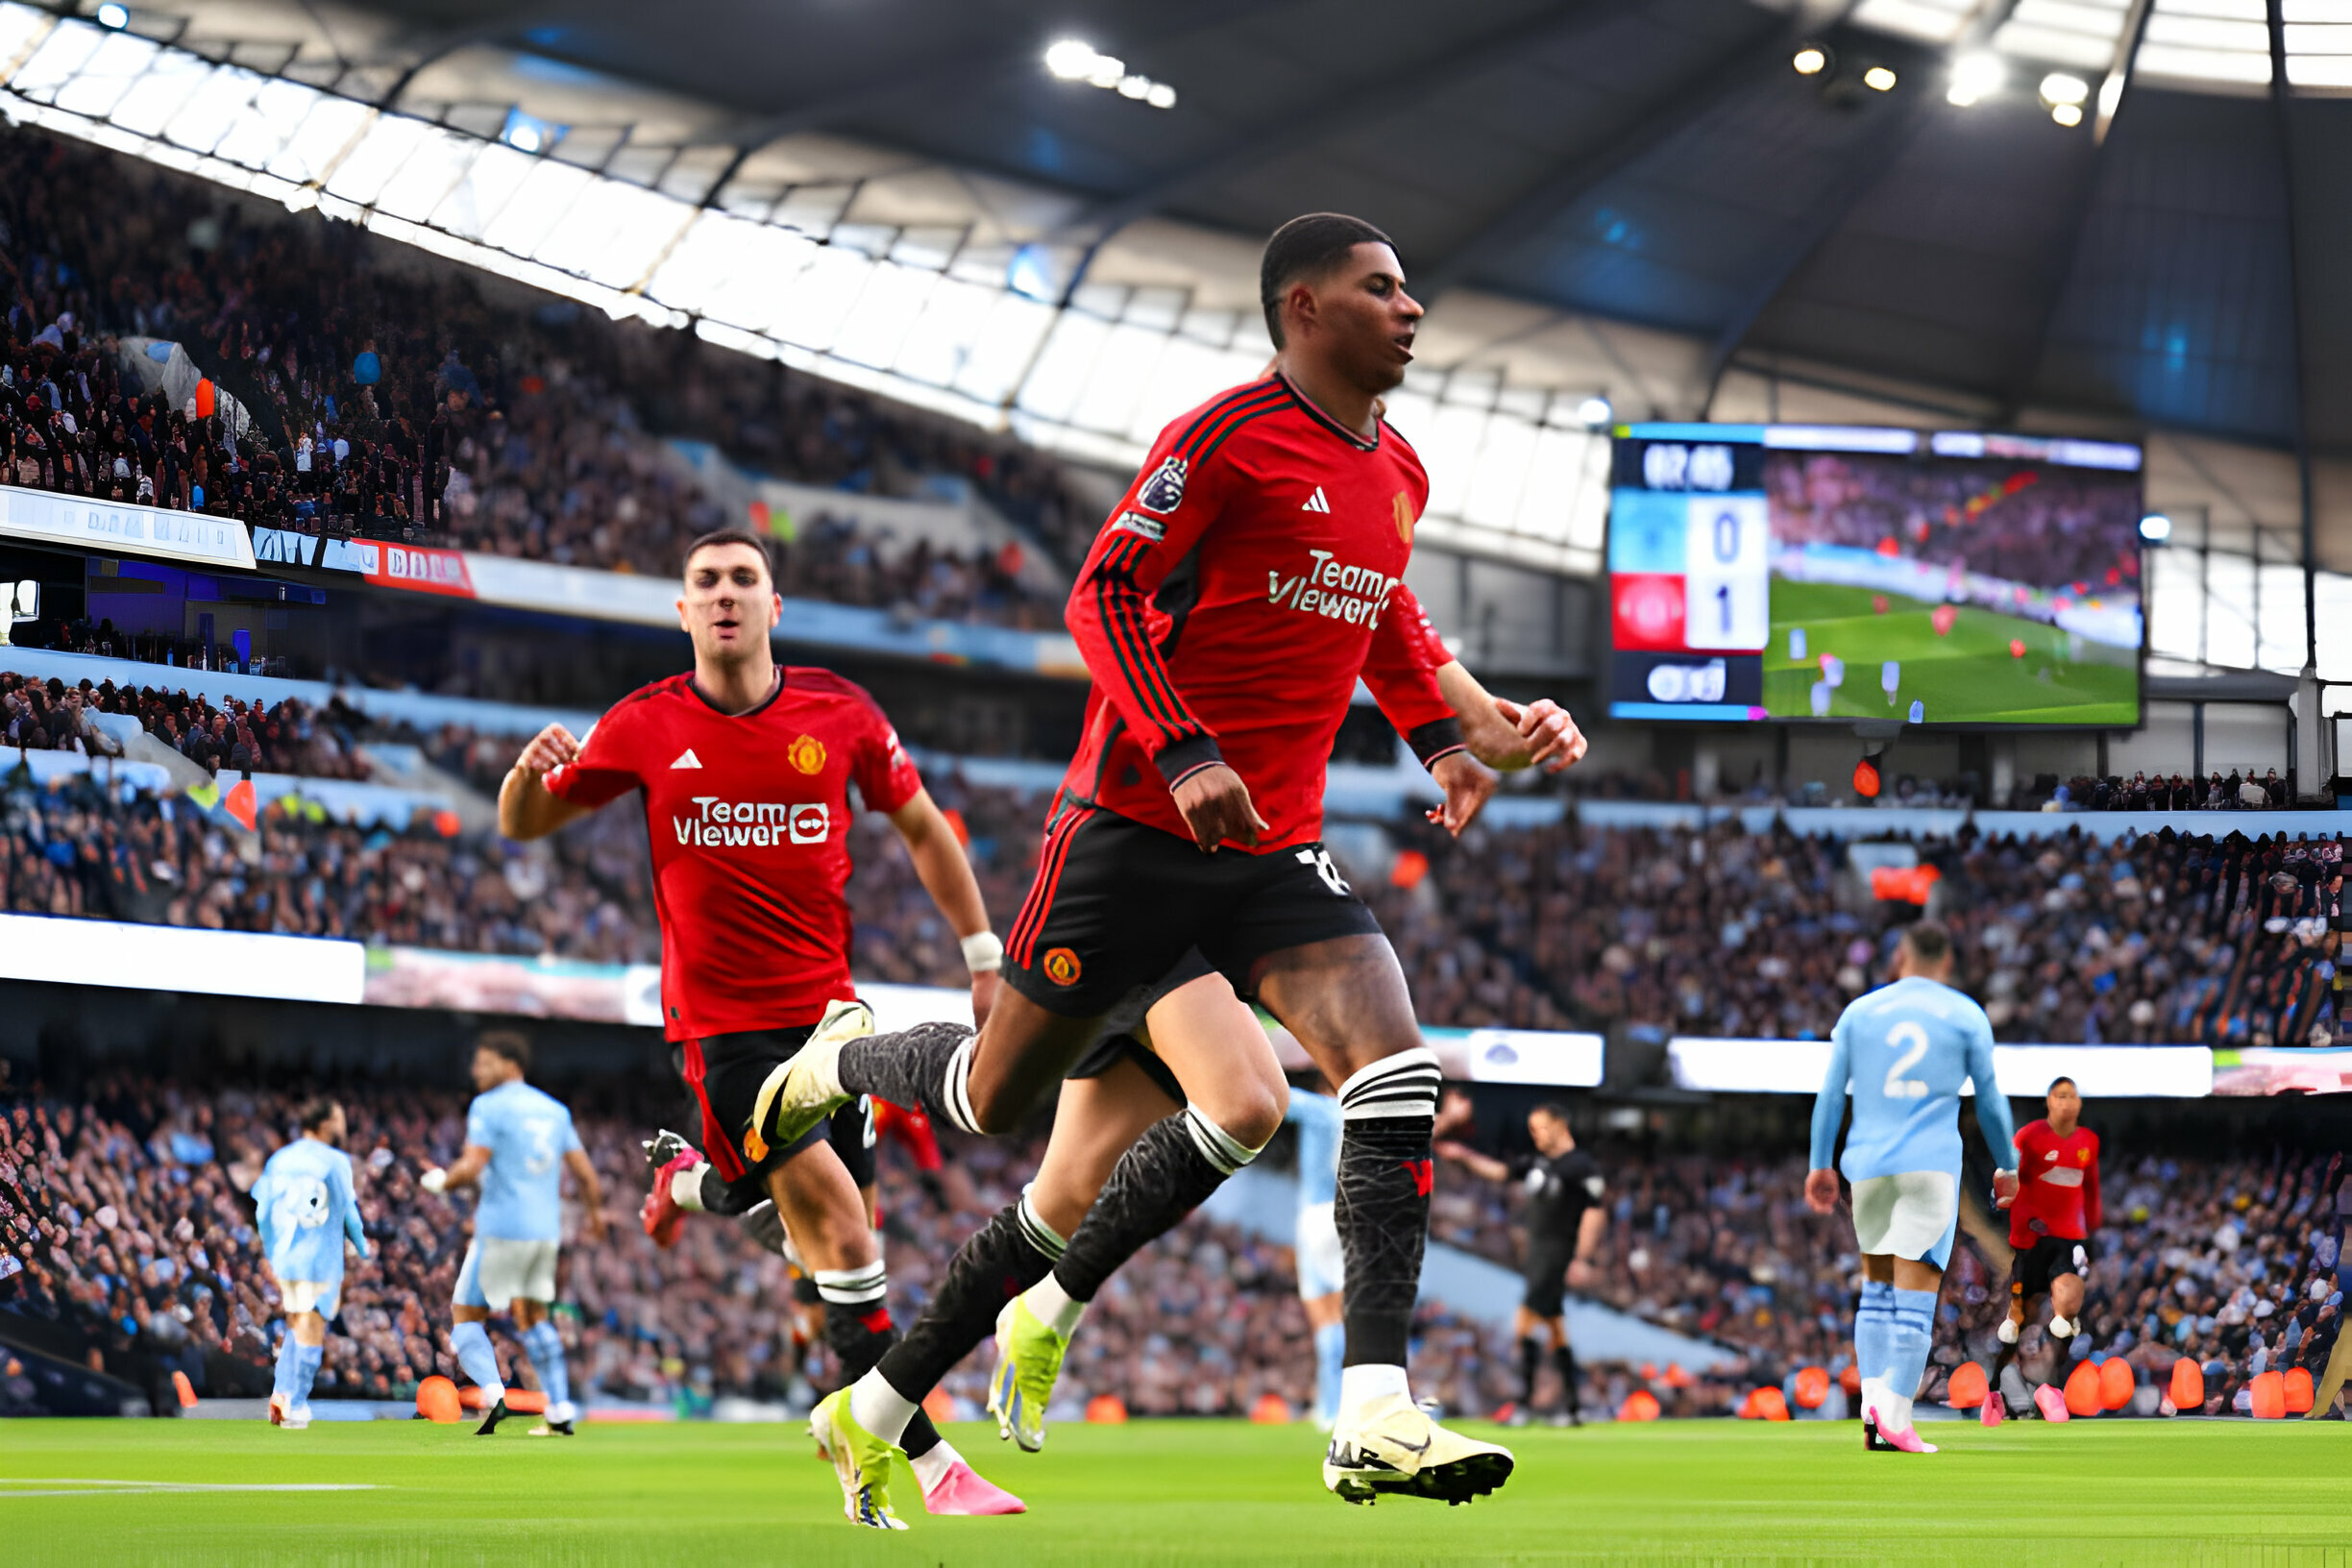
(1727, 591)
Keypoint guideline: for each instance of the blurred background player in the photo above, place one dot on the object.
(519, 1142)
(1564, 1221)
(305, 1208)
(2050, 1226)
(1904, 1050)
(745, 768)
(1322, 1265)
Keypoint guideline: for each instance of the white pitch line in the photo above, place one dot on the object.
(89, 1487)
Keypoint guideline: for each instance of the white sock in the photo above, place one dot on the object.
(1053, 1306)
(1368, 1384)
(1874, 1395)
(880, 1408)
(2060, 1328)
(686, 1189)
(932, 1467)
(1895, 1416)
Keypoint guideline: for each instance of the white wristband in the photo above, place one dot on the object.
(983, 953)
(433, 1180)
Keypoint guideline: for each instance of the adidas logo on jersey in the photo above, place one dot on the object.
(686, 759)
(1316, 503)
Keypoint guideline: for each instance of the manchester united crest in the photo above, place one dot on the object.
(808, 754)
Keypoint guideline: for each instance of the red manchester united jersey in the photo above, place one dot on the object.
(2058, 1192)
(749, 818)
(1252, 572)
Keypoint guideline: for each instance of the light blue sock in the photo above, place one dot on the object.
(471, 1343)
(1330, 1350)
(547, 1354)
(1911, 1337)
(283, 1382)
(1874, 1325)
(306, 1358)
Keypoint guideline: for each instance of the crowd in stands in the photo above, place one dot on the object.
(2230, 1263)
(289, 736)
(125, 1230)
(125, 1214)
(398, 402)
(2166, 937)
(2236, 791)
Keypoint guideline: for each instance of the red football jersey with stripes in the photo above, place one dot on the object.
(2058, 1191)
(1254, 570)
(748, 816)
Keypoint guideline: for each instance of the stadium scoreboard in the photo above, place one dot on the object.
(1840, 572)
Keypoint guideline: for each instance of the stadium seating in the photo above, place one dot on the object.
(401, 403)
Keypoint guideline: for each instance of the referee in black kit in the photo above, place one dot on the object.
(1564, 1219)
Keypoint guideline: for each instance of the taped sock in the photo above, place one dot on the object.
(547, 1356)
(306, 1358)
(1908, 1345)
(879, 1407)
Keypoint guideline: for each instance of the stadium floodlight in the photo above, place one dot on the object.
(2058, 88)
(1878, 79)
(1070, 59)
(1134, 86)
(1974, 78)
(2156, 528)
(1811, 61)
(114, 16)
(1596, 411)
(527, 132)
(1108, 71)
(2069, 115)
(1161, 96)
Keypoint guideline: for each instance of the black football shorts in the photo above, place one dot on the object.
(734, 1066)
(2050, 1256)
(1116, 904)
(1123, 1030)
(1546, 1277)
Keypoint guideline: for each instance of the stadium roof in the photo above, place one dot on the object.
(1642, 198)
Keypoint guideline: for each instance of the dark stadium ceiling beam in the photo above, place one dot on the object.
(434, 48)
(1419, 79)
(1673, 107)
(2282, 122)
(1897, 124)
(2058, 260)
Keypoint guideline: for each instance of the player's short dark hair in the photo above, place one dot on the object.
(729, 536)
(317, 1112)
(1930, 941)
(508, 1043)
(1308, 247)
(2062, 1078)
(1554, 1109)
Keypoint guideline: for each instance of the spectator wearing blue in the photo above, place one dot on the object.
(366, 368)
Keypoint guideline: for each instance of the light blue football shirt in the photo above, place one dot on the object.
(527, 1134)
(1318, 1145)
(1907, 1050)
(305, 1207)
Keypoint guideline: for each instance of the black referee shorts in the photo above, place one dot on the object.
(1116, 904)
(1545, 1277)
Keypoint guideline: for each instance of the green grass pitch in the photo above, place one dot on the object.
(1965, 675)
(704, 1496)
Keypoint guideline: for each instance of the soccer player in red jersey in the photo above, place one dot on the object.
(746, 766)
(1225, 612)
(2050, 1226)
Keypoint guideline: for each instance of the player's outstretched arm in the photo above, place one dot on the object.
(1471, 1160)
(1993, 1118)
(526, 808)
(1589, 1231)
(591, 1193)
(463, 1171)
(1505, 736)
(946, 875)
(347, 1202)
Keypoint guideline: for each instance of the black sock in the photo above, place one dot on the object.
(720, 1196)
(1531, 1356)
(1564, 1358)
(1164, 1176)
(764, 1226)
(1390, 1112)
(1005, 1257)
(913, 1068)
(857, 1331)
